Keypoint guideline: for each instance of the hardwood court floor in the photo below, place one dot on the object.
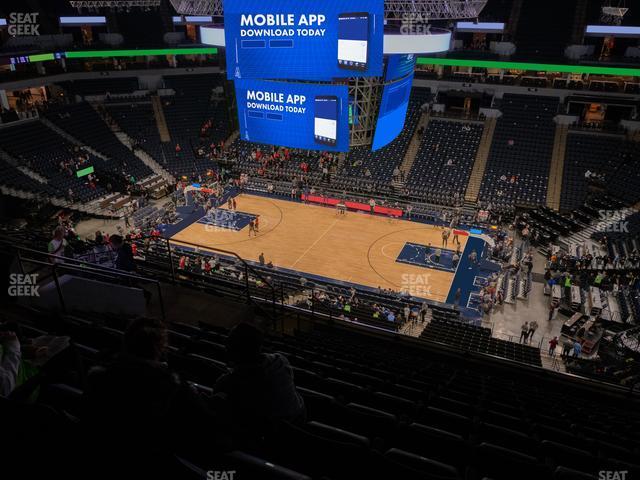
(356, 247)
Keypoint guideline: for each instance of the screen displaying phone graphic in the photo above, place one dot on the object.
(326, 120)
(353, 40)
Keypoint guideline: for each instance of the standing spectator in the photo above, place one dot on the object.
(124, 254)
(533, 326)
(261, 259)
(456, 240)
(10, 357)
(396, 173)
(553, 343)
(57, 245)
(423, 311)
(445, 237)
(473, 259)
(524, 332)
(455, 259)
(458, 296)
(407, 313)
(408, 211)
(577, 349)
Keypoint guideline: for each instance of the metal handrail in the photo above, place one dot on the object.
(94, 270)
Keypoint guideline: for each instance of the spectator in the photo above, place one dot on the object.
(577, 349)
(473, 258)
(533, 326)
(136, 393)
(57, 245)
(259, 388)
(10, 357)
(124, 255)
(553, 343)
(524, 332)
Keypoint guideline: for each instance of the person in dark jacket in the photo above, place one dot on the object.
(124, 255)
(139, 401)
(259, 388)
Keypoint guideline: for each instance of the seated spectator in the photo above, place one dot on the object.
(136, 393)
(259, 388)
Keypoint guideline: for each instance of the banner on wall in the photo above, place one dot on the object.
(304, 39)
(297, 115)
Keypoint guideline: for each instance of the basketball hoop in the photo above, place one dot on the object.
(613, 15)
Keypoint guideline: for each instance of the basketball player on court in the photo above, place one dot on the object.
(256, 225)
(252, 227)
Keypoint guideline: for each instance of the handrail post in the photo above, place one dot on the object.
(313, 302)
(173, 272)
(58, 288)
(161, 299)
(246, 281)
(20, 262)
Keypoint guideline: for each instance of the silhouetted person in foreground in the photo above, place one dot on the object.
(259, 388)
(139, 407)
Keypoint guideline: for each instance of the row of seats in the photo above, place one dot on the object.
(377, 406)
(444, 161)
(478, 339)
(517, 169)
(596, 154)
(41, 149)
(82, 122)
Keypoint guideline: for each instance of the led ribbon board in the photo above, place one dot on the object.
(532, 67)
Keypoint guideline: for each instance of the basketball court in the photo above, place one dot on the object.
(358, 248)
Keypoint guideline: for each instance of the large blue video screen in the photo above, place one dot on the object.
(304, 39)
(297, 115)
(400, 65)
(393, 111)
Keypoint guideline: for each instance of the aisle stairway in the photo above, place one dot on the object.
(147, 159)
(480, 164)
(556, 170)
(161, 121)
(414, 145)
